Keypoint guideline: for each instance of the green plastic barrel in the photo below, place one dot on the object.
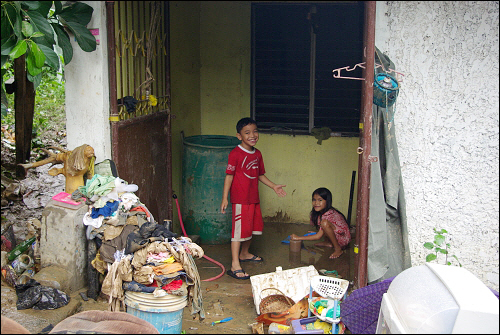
(204, 164)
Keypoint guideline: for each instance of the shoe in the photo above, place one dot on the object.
(233, 274)
(253, 259)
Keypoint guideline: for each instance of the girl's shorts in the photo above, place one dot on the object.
(247, 221)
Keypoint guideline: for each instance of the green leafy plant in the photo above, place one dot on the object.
(49, 111)
(36, 29)
(439, 246)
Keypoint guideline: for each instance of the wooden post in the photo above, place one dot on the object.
(24, 105)
(364, 150)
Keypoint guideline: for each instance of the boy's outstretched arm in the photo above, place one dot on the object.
(227, 186)
(278, 188)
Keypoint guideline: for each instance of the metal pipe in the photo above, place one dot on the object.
(351, 197)
(363, 203)
(169, 111)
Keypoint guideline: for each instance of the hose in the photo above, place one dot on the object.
(204, 256)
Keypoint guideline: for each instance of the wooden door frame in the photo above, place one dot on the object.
(364, 150)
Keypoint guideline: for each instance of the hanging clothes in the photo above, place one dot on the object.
(388, 248)
(118, 272)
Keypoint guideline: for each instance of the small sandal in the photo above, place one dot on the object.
(234, 274)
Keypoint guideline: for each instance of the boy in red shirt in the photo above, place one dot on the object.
(244, 170)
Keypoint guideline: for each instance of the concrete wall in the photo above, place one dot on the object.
(87, 91)
(185, 82)
(447, 119)
(225, 50)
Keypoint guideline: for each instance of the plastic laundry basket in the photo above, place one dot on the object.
(329, 287)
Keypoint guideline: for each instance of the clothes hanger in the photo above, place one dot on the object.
(336, 72)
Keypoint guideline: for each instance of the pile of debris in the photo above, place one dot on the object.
(135, 252)
(23, 202)
(308, 304)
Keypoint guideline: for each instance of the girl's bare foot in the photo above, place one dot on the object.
(324, 245)
(336, 254)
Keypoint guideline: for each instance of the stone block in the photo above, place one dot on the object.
(63, 244)
(54, 276)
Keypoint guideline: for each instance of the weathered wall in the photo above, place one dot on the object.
(297, 161)
(87, 91)
(303, 165)
(225, 51)
(185, 81)
(447, 124)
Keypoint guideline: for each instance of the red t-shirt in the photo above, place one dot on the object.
(246, 166)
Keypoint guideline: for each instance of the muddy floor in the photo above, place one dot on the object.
(223, 297)
(236, 296)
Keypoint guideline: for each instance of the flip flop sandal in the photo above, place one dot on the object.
(253, 259)
(234, 274)
(332, 273)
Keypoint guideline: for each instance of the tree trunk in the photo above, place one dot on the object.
(24, 105)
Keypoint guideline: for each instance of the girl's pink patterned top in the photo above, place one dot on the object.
(341, 228)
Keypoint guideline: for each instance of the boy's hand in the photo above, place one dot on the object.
(279, 190)
(223, 206)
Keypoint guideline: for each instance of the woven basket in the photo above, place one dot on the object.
(275, 303)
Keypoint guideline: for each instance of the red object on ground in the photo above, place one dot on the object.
(6, 244)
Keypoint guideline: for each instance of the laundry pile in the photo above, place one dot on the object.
(135, 252)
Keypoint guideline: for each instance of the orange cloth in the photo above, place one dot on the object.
(165, 269)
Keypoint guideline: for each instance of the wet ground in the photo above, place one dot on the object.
(222, 298)
(235, 296)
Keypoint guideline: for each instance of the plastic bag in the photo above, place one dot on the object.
(33, 295)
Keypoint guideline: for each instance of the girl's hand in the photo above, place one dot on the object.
(294, 237)
(279, 190)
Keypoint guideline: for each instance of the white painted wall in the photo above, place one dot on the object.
(447, 124)
(87, 91)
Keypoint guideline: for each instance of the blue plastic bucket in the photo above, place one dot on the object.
(164, 313)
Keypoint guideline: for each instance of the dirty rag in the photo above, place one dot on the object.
(180, 253)
(118, 272)
(129, 102)
(321, 134)
(107, 210)
(98, 185)
(89, 221)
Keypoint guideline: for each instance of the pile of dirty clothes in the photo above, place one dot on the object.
(135, 252)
